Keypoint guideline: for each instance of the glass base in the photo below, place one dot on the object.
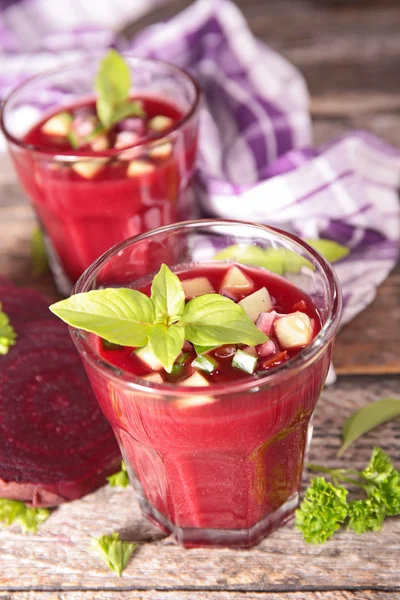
(193, 537)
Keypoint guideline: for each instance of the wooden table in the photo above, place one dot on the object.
(349, 53)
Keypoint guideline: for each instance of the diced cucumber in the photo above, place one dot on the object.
(88, 168)
(236, 283)
(147, 356)
(160, 123)
(59, 125)
(154, 378)
(258, 302)
(139, 167)
(100, 143)
(205, 363)
(161, 151)
(245, 362)
(294, 330)
(196, 287)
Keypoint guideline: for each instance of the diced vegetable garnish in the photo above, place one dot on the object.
(258, 302)
(205, 363)
(139, 167)
(195, 380)
(244, 361)
(161, 151)
(88, 168)
(59, 125)
(236, 283)
(266, 321)
(100, 143)
(154, 378)
(132, 124)
(250, 350)
(225, 351)
(84, 125)
(300, 305)
(125, 138)
(266, 349)
(147, 356)
(160, 123)
(294, 330)
(197, 287)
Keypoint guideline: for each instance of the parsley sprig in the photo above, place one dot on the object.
(325, 507)
(14, 511)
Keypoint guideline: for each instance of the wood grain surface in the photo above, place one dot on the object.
(349, 52)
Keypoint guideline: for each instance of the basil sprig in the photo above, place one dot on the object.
(130, 318)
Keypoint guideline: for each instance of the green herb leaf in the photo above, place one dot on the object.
(13, 511)
(379, 467)
(119, 479)
(8, 335)
(120, 315)
(112, 85)
(322, 511)
(366, 515)
(332, 251)
(114, 552)
(212, 319)
(168, 296)
(40, 264)
(367, 418)
(166, 343)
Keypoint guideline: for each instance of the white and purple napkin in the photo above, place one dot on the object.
(256, 158)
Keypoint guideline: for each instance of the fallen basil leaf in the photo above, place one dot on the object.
(367, 418)
(114, 552)
(13, 511)
(40, 264)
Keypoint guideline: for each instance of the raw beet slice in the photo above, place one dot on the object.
(55, 444)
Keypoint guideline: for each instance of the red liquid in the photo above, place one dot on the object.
(226, 472)
(84, 217)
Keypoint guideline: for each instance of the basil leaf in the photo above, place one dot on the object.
(8, 335)
(112, 85)
(122, 316)
(367, 418)
(40, 263)
(166, 343)
(167, 295)
(14, 511)
(212, 319)
(332, 251)
(114, 552)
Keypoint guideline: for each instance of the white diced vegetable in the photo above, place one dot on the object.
(160, 123)
(161, 151)
(147, 356)
(258, 302)
(88, 168)
(294, 330)
(196, 287)
(59, 125)
(139, 167)
(154, 378)
(236, 283)
(244, 361)
(126, 138)
(195, 380)
(100, 143)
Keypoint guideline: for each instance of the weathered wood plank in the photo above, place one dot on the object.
(153, 595)
(57, 558)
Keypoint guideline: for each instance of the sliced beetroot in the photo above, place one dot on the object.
(55, 444)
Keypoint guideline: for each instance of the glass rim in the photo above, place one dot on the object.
(67, 154)
(287, 369)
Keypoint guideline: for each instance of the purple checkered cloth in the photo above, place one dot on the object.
(256, 160)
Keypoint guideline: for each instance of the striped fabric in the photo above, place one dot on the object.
(256, 160)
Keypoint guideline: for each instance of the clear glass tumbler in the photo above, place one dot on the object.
(225, 472)
(82, 216)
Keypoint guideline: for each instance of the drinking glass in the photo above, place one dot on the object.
(83, 217)
(222, 465)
